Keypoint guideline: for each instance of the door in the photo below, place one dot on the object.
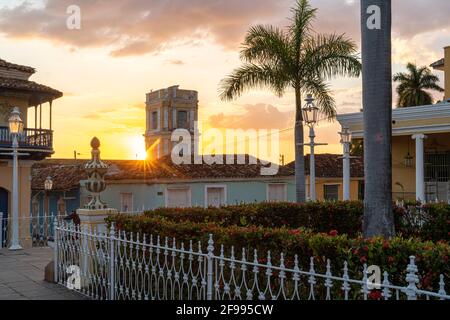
(215, 196)
(126, 202)
(4, 221)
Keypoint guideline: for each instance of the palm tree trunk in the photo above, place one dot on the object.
(299, 154)
(377, 106)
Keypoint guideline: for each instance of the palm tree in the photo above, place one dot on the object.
(413, 85)
(377, 107)
(294, 58)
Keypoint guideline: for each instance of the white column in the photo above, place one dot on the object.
(420, 175)
(346, 171)
(15, 245)
(312, 167)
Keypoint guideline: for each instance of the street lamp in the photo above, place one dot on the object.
(48, 185)
(310, 113)
(16, 130)
(346, 140)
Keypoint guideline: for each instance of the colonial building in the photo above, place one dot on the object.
(134, 184)
(444, 65)
(35, 103)
(167, 110)
(420, 145)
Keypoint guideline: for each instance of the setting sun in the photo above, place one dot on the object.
(137, 146)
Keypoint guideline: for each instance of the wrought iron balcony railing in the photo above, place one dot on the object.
(39, 139)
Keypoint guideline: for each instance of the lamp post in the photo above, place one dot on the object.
(15, 129)
(346, 140)
(310, 113)
(48, 185)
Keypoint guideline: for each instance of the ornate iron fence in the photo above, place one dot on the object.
(119, 266)
(41, 229)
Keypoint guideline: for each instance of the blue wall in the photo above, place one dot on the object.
(72, 198)
(151, 196)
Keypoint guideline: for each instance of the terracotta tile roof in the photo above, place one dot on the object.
(26, 85)
(438, 64)
(9, 65)
(66, 173)
(330, 166)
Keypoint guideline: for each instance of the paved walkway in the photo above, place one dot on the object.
(22, 274)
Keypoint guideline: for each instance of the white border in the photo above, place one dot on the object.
(132, 201)
(166, 193)
(208, 186)
(277, 183)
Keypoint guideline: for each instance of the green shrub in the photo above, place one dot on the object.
(345, 217)
(392, 256)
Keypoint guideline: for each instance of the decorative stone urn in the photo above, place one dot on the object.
(96, 170)
(94, 213)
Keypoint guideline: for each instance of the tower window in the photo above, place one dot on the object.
(154, 120)
(182, 121)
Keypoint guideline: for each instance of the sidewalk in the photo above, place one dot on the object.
(22, 274)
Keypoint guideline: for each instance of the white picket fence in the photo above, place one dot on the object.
(119, 266)
(41, 228)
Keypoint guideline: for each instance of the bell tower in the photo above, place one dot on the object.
(167, 110)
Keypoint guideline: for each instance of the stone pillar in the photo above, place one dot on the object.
(346, 171)
(92, 217)
(420, 166)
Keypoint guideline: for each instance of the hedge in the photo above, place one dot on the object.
(344, 217)
(391, 256)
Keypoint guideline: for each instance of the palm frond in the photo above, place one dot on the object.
(250, 76)
(322, 93)
(331, 56)
(300, 29)
(265, 44)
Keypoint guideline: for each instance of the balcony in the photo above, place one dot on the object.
(37, 142)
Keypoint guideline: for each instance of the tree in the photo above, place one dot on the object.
(413, 85)
(294, 58)
(376, 24)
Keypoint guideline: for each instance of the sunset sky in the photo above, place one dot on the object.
(125, 48)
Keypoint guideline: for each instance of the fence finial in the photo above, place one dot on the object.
(386, 291)
(210, 244)
(442, 286)
(112, 230)
(412, 279)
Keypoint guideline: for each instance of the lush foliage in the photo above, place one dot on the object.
(413, 86)
(344, 217)
(431, 222)
(391, 256)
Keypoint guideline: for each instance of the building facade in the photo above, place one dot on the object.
(167, 110)
(35, 101)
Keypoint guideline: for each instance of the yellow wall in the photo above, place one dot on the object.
(321, 182)
(24, 195)
(447, 72)
(14, 102)
(438, 142)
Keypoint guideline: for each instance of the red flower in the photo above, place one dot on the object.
(390, 259)
(386, 245)
(366, 248)
(363, 259)
(333, 233)
(375, 295)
